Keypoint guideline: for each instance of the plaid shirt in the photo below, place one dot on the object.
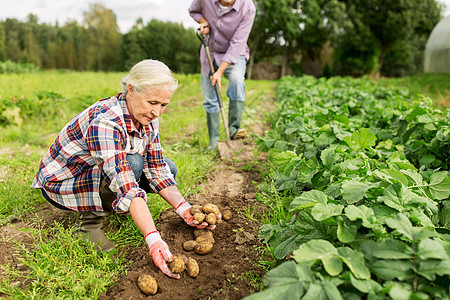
(94, 146)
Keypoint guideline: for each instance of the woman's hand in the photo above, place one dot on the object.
(183, 211)
(160, 253)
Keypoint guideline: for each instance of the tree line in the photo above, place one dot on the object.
(333, 37)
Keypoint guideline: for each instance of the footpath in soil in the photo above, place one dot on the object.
(223, 272)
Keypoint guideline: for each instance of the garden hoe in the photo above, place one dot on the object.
(229, 147)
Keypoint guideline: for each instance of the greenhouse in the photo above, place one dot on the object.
(437, 51)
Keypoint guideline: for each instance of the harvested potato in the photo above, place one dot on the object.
(147, 284)
(199, 232)
(192, 268)
(211, 219)
(197, 206)
(203, 248)
(189, 245)
(195, 210)
(226, 214)
(205, 238)
(211, 208)
(177, 264)
(199, 217)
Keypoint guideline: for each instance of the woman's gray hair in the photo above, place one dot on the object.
(150, 73)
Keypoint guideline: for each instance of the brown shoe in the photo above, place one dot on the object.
(240, 134)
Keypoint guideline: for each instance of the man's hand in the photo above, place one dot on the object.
(160, 253)
(204, 27)
(183, 211)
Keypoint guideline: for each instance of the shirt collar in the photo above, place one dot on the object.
(121, 97)
(234, 6)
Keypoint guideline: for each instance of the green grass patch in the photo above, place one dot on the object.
(61, 265)
(435, 86)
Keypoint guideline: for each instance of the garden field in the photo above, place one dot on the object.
(341, 192)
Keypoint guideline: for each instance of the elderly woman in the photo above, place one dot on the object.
(108, 156)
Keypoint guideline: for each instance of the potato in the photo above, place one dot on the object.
(211, 219)
(203, 248)
(192, 267)
(197, 206)
(205, 238)
(211, 208)
(195, 210)
(199, 217)
(147, 284)
(177, 264)
(199, 232)
(226, 214)
(189, 245)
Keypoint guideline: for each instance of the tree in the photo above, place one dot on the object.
(297, 27)
(380, 26)
(103, 36)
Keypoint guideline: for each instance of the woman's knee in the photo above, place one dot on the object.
(172, 166)
(136, 163)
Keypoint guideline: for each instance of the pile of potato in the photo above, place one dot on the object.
(203, 238)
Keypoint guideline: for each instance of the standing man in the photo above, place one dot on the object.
(228, 22)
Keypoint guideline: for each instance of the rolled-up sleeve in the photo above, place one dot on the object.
(195, 10)
(105, 140)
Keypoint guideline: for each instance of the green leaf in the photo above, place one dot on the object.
(444, 215)
(354, 190)
(430, 268)
(392, 249)
(365, 286)
(287, 161)
(308, 199)
(322, 212)
(399, 197)
(390, 269)
(418, 215)
(287, 246)
(429, 248)
(361, 139)
(415, 177)
(313, 250)
(322, 290)
(287, 281)
(400, 293)
(355, 262)
(391, 176)
(439, 187)
(329, 157)
(346, 234)
(366, 214)
(402, 224)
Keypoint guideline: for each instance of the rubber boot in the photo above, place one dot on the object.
(91, 229)
(213, 122)
(234, 120)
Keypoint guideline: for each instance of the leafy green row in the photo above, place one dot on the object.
(367, 167)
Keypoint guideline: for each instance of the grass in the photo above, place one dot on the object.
(435, 86)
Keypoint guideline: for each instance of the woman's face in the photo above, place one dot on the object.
(146, 106)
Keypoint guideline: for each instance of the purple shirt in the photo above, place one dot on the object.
(229, 29)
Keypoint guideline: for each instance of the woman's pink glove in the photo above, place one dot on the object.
(183, 212)
(160, 253)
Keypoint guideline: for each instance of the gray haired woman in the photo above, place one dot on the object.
(108, 157)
